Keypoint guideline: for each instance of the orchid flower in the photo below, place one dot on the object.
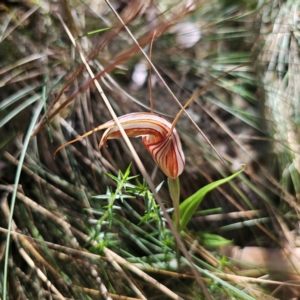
(159, 137)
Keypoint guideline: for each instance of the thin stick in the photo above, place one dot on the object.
(200, 91)
(82, 137)
(150, 73)
(193, 98)
(140, 273)
(121, 271)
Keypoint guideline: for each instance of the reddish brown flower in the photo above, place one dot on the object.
(163, 145)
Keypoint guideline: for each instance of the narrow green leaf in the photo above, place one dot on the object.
(116, 179)
(159, 187)
(93, 32)
(189, 206)
(16, 96)
(36, 113)
(19, 108)
(213, 240)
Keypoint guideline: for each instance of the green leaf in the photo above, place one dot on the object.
(213, 240)
(16, 96)
(19, 109)
(98, 31)
(189, 206)
(93, 32)
(116, 179)
(37, 111)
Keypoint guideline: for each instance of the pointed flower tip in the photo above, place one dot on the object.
(164, 147)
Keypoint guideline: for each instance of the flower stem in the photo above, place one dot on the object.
(174, 189)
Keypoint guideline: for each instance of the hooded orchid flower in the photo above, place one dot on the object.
(159, 137)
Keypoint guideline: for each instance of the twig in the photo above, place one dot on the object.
(231, 215)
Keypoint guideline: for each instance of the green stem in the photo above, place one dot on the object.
(174, 189)
(13, 198)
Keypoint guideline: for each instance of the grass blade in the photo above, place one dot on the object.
(13, 198)
(19, 109)
(189, 206)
